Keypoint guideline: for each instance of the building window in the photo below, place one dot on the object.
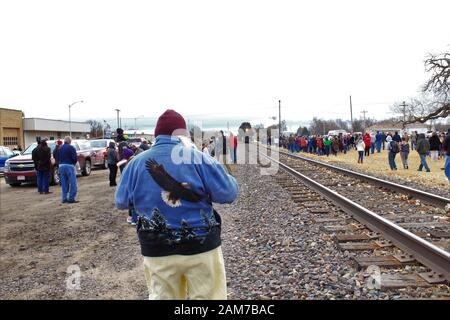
(10, 141)
(52, 138)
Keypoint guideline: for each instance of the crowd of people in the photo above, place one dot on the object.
(435, 147)
(221, 146)
(171, 204)
(65, 156)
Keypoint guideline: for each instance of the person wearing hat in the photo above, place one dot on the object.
(172, 187)
(56, 151)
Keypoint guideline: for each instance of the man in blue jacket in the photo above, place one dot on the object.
(67, 159)
(379, 141)
(172, 187)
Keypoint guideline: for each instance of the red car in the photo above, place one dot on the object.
(20, 169)
(98, 154)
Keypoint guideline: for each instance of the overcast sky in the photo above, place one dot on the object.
(215, 58)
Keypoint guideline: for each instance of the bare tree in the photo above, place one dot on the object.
(96, 128)
(434, 103)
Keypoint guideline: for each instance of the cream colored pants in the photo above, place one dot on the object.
(197, 277)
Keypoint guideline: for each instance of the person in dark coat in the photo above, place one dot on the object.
(56, 151)
(112, 158)
(397, 137)
(435, 146)
(41, 156)
(423, 148)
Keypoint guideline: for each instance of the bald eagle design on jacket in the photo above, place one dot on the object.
(173, 191)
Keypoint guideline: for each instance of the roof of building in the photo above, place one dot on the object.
(11, 109)
(83, 122)
(41, 124)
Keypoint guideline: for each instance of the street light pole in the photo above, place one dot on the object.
(70, 116)
(118, 121)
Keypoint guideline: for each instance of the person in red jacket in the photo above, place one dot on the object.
(367, 144)
(304, 144)
(319, 142)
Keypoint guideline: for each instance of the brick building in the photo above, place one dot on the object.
(11, 128)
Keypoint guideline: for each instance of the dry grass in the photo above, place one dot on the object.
(377, 165)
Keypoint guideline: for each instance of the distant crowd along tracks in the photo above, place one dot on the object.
(390, 225)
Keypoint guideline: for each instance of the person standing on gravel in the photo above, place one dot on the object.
(423, 148)
(112, 157)
(67, 160)
(41, 156)
(172, 187)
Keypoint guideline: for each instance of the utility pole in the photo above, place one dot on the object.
(279, 119)
(364, 115)
(404, 110)
(118, 118)
(351, 113)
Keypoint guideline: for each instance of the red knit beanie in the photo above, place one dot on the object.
(168, 122)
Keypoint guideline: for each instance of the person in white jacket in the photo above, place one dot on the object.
(360, 146)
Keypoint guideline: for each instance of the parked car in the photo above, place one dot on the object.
(136, 141)
(20, 169)
(5, 154)
(98, 154)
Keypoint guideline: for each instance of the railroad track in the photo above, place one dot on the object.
(426, 241)
(415, 193)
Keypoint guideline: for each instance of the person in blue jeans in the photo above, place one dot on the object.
(393, 149)
(423, 148)
(372, 143)
(67, 158)
(378, 141)
(41, 156)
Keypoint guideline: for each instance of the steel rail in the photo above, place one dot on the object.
(419, 194)
(431, 256)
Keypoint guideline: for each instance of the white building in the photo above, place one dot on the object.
(35, 128)
(146, 134)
